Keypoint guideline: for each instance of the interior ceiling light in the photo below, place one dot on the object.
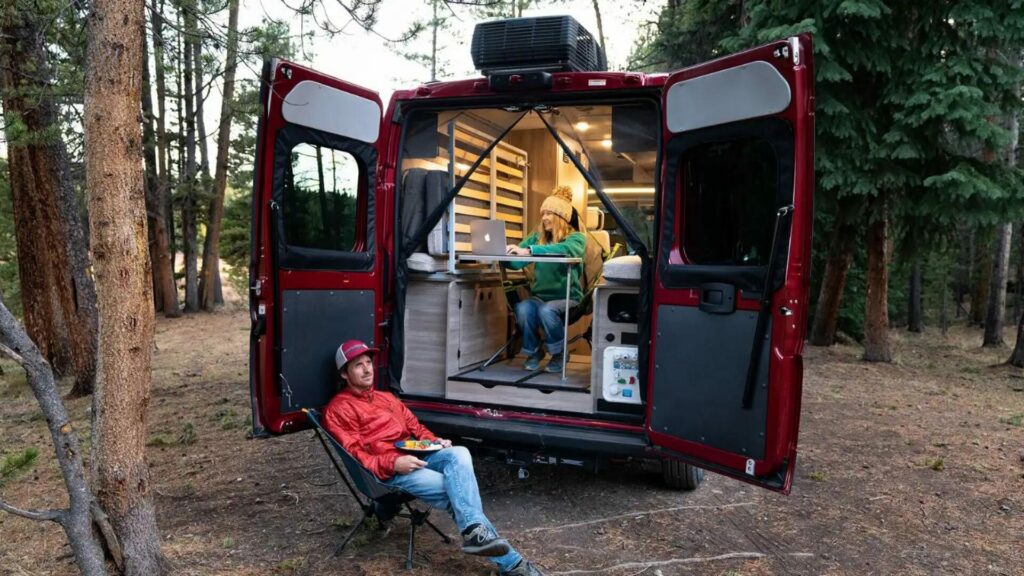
(462, 166)
(606, 144)
(582, 126)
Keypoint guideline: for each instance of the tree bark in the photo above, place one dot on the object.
(189, 227)
(982, 275)
(117, 217)
(210, 281)
(163, 261)
(58, 295)
(915, 314)
(76, 519)
(997, 293)
(876, 310)
(826, 314)
(1017, 356)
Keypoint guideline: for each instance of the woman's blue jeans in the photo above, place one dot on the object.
(533, 314)
(448, 483)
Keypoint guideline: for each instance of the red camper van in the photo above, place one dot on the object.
(695, 189)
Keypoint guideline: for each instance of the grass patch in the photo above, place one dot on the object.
(187, 436)
(228, 419)
(818, 476)
(159, 440)
(228, 542)
(290, 565)
(13, 464)
(937, 464)
(1015, 420)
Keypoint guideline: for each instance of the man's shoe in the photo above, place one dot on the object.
(482, 541)
(555, 364)
(533, 362)
(524, 568)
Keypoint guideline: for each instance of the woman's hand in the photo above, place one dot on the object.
(513, 250)
(445, 443)
(407, 464)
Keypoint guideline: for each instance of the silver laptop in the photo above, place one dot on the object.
(488, 237)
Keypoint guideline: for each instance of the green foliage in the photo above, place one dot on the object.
(10, 284)
(1014, 420)
(13, 464)
(910, 103)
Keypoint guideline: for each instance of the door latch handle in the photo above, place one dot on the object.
(785, 311)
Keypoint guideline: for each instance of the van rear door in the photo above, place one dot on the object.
(729, 303)
(317, 268)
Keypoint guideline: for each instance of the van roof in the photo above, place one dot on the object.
(562, 82)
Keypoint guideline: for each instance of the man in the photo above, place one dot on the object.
(368, 422)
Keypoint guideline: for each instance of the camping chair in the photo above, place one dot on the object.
(381, 500)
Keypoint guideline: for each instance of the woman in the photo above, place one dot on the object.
(546, 308)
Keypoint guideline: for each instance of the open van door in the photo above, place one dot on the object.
(317, 269)
(729, 305)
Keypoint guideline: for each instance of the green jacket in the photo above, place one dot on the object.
(549, 277)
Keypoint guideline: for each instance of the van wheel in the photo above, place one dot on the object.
(681, 476)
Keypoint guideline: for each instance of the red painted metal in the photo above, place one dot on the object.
(283, 77)
(785, 362)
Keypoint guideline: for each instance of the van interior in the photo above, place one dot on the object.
(460, 340)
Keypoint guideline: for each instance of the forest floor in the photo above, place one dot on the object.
(911, 468)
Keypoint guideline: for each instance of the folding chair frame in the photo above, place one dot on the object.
(372, 507)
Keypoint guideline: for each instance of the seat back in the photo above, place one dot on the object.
(364, 480)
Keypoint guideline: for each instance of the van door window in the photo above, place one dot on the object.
(321, 188)
(729, 202)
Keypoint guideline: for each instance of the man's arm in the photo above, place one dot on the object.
(341, 422)
(412, 424)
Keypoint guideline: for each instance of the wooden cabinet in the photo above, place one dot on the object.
(450, 324)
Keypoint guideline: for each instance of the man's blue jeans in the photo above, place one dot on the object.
(533, 314)
(448, 483)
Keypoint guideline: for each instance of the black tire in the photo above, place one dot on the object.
(681, 476)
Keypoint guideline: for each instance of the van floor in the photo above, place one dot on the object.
(510, 372)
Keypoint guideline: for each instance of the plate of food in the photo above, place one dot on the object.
(419, 446)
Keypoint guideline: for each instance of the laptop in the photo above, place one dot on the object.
(488, 237)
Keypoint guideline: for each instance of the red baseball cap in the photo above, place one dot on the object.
(350, 350)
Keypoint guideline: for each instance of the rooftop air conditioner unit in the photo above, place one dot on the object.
(542, 44)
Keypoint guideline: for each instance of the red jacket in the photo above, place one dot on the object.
(368, 424)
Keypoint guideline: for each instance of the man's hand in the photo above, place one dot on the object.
(408, 463)
(446, 443)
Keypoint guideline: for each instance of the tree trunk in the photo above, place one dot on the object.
(210, 281)
(76, 520)
(117, 217)
(876, 310)
(982, 275)
(997, 293)
(189, 228)
(826, 313)
(58, 295)
(1017, 356)
(163, 263)
(600, 26)
(914, 311)
(197, 68)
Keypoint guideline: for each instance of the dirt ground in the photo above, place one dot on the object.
(910, 468)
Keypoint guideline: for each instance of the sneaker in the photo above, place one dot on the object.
(555, 364)
(481, 541)
(533, 362)
(524, 568)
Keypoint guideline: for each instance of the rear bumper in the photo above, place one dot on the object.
(550, 438)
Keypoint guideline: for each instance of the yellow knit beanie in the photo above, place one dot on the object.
(559, 202)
